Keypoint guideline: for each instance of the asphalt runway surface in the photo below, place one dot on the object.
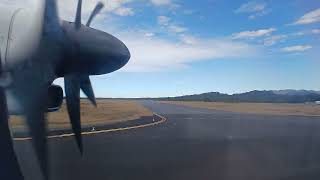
(193, 144)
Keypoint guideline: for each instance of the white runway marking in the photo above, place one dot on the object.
(163, 119)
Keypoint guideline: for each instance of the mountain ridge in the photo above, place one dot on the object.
(258, 96)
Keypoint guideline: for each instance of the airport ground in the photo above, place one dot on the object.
(107, 112)
(188, 143)
(285, 109)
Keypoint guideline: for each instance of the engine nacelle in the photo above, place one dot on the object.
(55, 100)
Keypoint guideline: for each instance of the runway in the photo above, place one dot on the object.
(191, 144)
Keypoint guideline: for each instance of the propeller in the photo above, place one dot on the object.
(11, 169)
(37, 123)
(27, 87)
(78, 15)
(86, 87)
(85, 83)
(73, 83)
(72, 89)
(95, 12)
(31, 92)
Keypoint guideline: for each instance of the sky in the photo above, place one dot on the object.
(181, 47)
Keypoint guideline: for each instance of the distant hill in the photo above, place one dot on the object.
(295, 92)
(278, 96)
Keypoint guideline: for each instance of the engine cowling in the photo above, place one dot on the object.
(19, 41)
(55, 98)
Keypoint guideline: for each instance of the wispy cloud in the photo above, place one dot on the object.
(315, 31)
(149, 54)
(310, 17)
(170, 26)
(272, 40)
(259, 14)
(275, 39)
(163, 20)
(124, 11)
(253, 34)
(177, 29)
(161, 2)
(299, 48)
(306, 32)
(251, 7)
(149, 34)
(254, 9)
(188, 39)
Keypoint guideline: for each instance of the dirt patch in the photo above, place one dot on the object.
(107, 112)
(257, 108)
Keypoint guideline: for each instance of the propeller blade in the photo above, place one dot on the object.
(85, 85)
(78, 15)
(72, 88)
(96, 11)
(9, 166)
(31, 93)
(36, 120)
(51, 17)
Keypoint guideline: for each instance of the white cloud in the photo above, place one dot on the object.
(251, 7)
(149, 34)
(124, 11)
(274, 39)
(161, 2)
(310, 17)
(152, 53)
(271, 40)
(188, 12)
(253, 34)
(187, 39)
(177, 29)
(157, 54)
(300, 33)
(315, 31)
(299, 48)
(171, 27)
(306, 32)
(163, 20)
(255, 9)
(259, 14)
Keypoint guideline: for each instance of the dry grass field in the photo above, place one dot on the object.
(108, 111)
(257, 108)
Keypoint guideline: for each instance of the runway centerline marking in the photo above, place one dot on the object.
(163, 119)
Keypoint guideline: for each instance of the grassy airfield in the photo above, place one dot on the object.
(256, 108)
(108, 111)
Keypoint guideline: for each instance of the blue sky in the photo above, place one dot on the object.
(183, 47)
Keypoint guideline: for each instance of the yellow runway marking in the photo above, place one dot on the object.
(163, 119)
